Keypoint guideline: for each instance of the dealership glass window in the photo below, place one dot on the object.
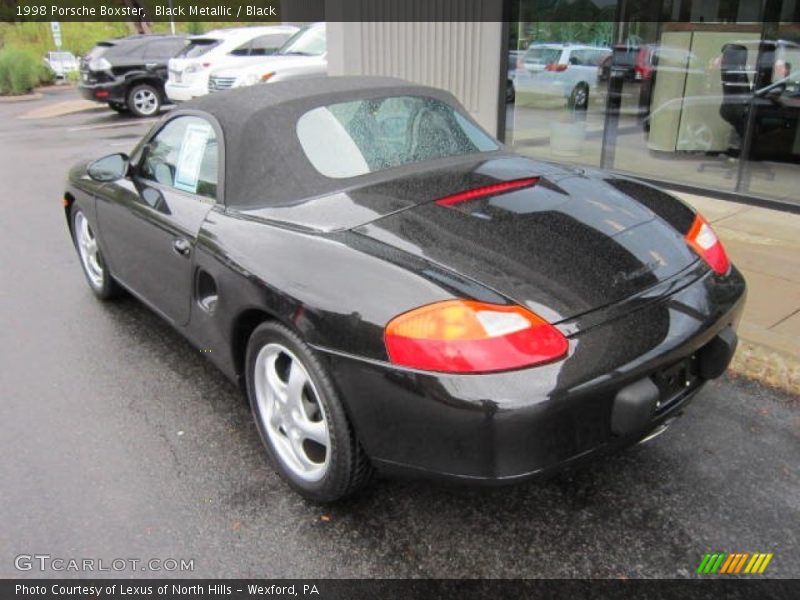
(709, 99)
(556, 100)
(772, 168)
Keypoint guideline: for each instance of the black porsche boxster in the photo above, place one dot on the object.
(397, 291)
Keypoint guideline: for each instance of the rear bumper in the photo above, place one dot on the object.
(609, 392)
(182, 92)
(539, 84)
(113, 91)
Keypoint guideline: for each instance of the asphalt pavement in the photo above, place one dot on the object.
(120, 441)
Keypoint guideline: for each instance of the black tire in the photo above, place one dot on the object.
(348, 469)
(579, 98)
(144, 100)
(105, 288)
(511, 93)
(120, 108)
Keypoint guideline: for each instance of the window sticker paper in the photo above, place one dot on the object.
(193, 148)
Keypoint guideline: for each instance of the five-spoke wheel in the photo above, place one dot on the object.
(144, 100)
(88, 251)
(94, 267)
(294, 418)
(300, 417)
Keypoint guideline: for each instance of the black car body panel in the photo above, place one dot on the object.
(565, 246)
(603, 257)
(131, 60)
(504, 426)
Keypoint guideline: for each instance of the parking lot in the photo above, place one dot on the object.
(121, 441)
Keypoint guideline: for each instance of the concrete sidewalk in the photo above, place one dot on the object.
(765, 245)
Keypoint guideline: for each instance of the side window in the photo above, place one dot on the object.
(184, 155)
(175, 47)
(162, 49)
(266, 44)
(580, 57)
(243, 50)
(601, 55)
(127, 53)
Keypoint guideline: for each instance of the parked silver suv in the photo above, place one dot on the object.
(566, 70)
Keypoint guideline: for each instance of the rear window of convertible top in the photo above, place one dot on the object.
(363, 136)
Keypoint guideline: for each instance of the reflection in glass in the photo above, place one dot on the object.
(704, 94)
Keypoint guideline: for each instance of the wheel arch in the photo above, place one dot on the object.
(140, 79)
(242, 328)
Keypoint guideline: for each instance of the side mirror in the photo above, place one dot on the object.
(109, 168)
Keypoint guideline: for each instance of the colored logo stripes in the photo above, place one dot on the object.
(735, 563)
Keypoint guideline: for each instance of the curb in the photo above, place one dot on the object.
(21, 98)
(58, 109)
(768, 366)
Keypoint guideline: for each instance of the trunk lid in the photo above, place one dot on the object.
(570, 244)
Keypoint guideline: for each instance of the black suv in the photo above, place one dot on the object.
(129, 73)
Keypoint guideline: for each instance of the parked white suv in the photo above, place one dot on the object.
(189, 70)
(303, 55)
(565, 70)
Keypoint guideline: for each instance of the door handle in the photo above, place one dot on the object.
(182, 246)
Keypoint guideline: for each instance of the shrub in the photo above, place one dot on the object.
(19, 71)
(45, 74)
(194, 28)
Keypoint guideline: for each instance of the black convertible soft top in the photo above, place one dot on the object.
(264, 162)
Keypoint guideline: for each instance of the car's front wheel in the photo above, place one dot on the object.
(94, 267)
(144, 100)
(300, 417)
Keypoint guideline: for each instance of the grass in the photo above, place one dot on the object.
(19, 71)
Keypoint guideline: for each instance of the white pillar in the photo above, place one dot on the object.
(462, 57)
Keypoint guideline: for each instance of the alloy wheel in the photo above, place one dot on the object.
(580, 97)
(145, 101)
(291, 413)
(87, 249)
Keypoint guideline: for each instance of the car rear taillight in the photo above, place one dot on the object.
(466, 336)
(641, 68)
(555, 67)
(705, 242)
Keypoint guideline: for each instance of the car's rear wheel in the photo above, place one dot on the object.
(94, 267)
(120, 108)
(300, 417)
(579, 99)
(144, 100)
